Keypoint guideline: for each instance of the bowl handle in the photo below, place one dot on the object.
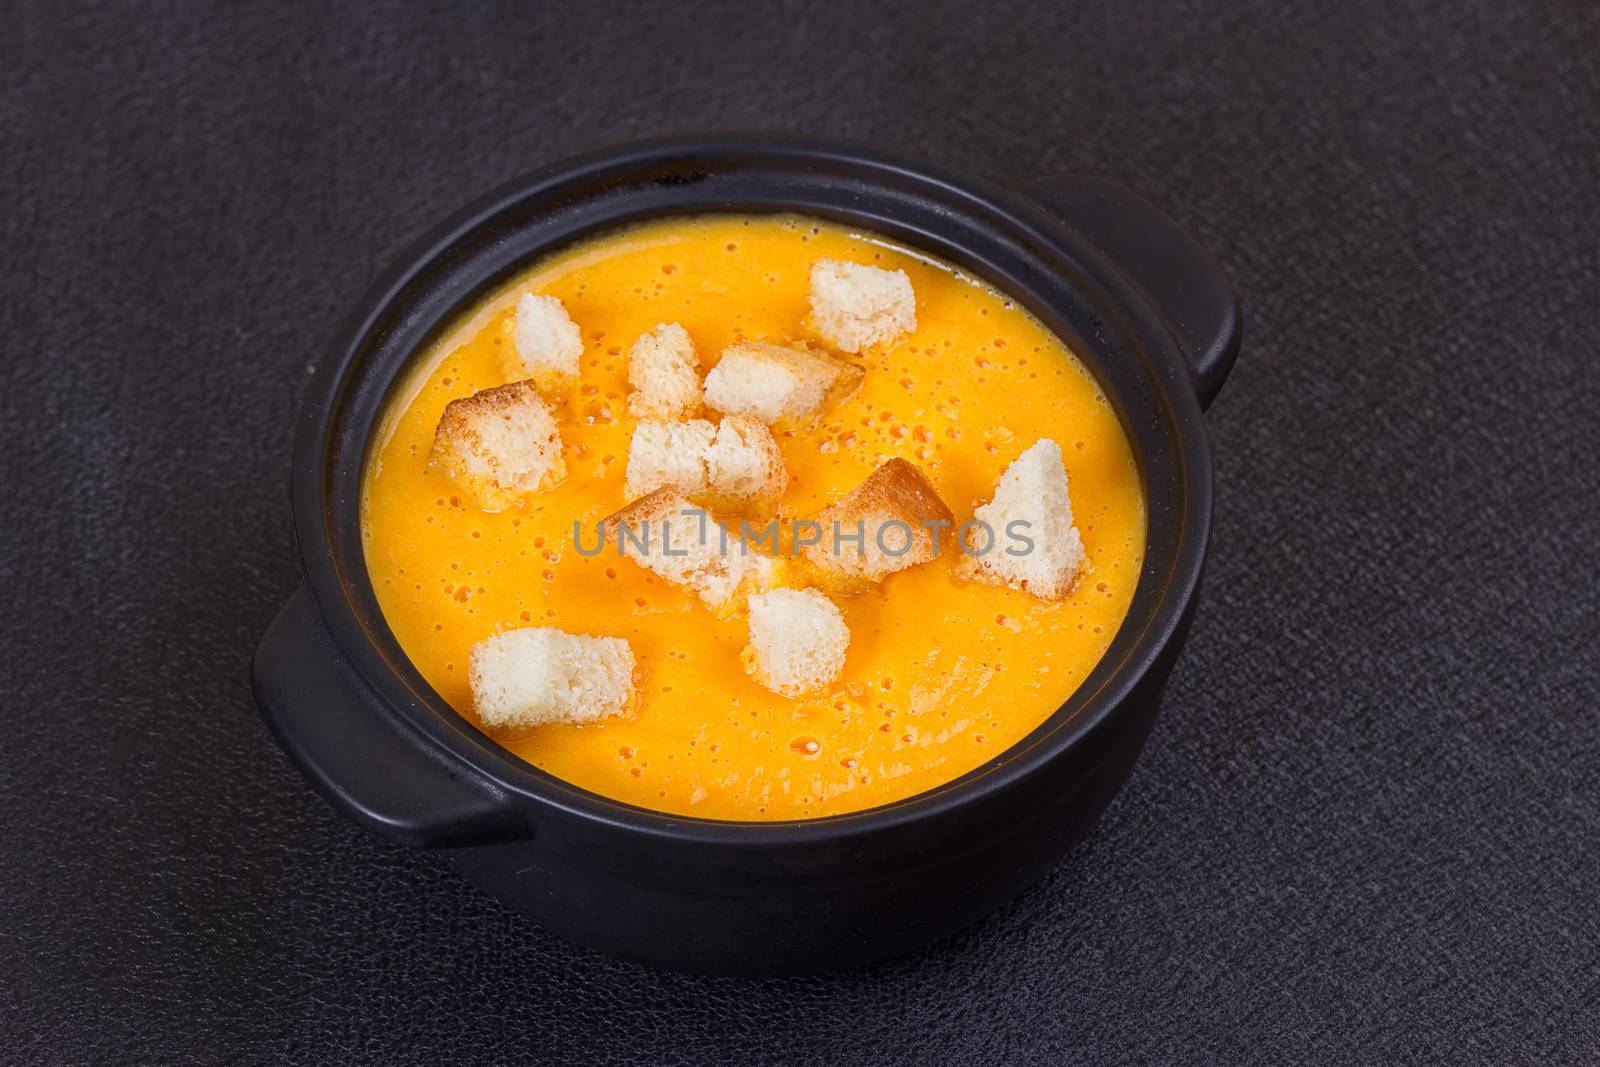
(1182, 281)
(365, 763)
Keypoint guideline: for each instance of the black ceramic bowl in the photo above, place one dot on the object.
(1148, 312)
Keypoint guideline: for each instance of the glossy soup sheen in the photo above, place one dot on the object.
(942, 675)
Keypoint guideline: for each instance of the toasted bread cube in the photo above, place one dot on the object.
(1033, 490)
(539, 674)
(548, 341)
(855, 307)
(798, 640)
(772, 382)
(744, 464)
(668, 453)
(735, 464)
(499, 444)
(664, 373)
(893, 520)
(665, 533)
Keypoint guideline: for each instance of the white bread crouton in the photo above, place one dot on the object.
(668, 453)
(901, 520)
(797, 641)
(499, 444)
(548, 341)
(854, 306)
(664, 373)
(691, 550)
(772, 382)
(744, 464)
(732, 465)
(1033, 490)
(539, 674)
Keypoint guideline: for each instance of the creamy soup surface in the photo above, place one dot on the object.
(942, 674)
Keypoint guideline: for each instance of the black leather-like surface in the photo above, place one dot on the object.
(1366, 827)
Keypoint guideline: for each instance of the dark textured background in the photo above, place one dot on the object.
(1366, 828)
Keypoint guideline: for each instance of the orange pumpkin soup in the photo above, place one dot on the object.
(941, 675)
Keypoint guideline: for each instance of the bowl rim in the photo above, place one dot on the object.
(412, 705)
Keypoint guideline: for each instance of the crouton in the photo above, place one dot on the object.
(499, 444)
(665, 533)
(744, 464)
(664, 373)
(547, 340)
(893, 520)
(1033, 490)
(736, 464)
(539, 674)
(854, 307)
(668, 453)
(772, 382)
(797, 641)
